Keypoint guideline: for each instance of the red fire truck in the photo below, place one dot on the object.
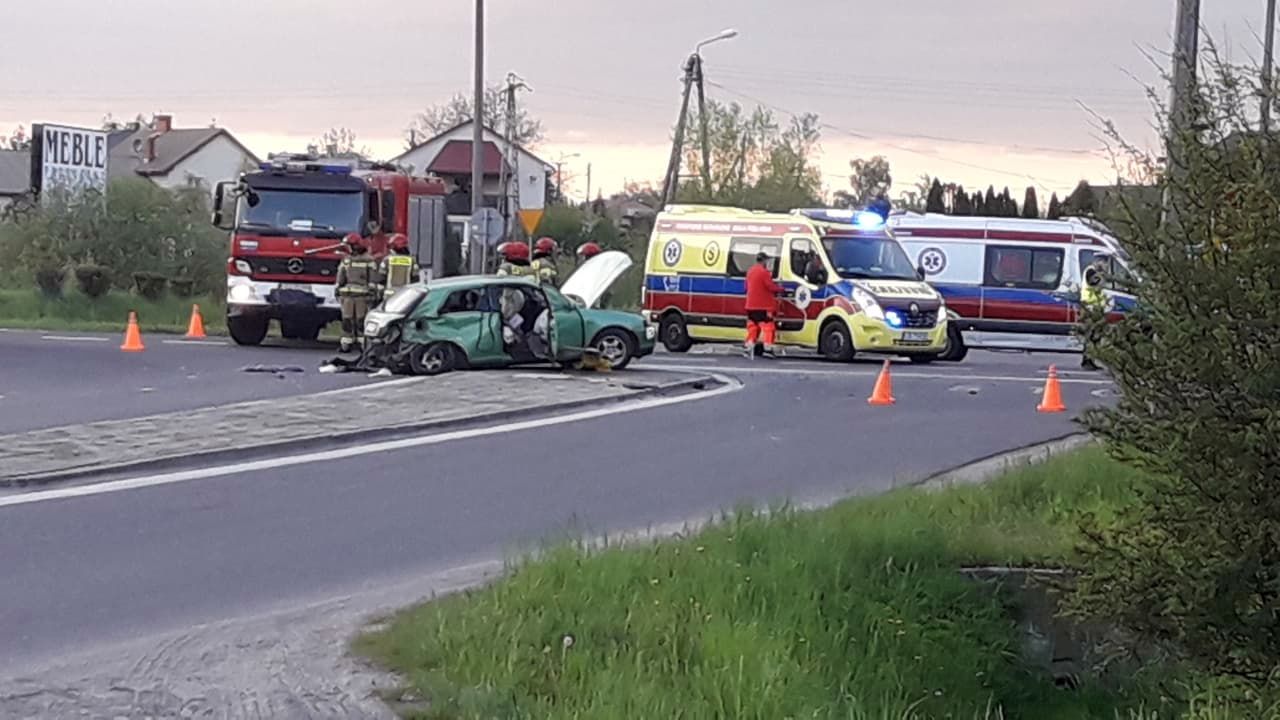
(287, 222)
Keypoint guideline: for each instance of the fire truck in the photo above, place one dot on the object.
(288, 220)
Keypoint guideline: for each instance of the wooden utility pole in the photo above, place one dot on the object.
(1186, 44)
(672, 179)
(480, 259)
(1268, 51)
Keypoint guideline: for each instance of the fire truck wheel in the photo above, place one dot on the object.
(247, 330)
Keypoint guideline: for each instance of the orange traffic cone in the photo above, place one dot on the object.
(1052, 401)
(132, 337)
(195, 329)
(883, 392)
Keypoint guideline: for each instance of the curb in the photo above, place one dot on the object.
(336, 440)
(983, 469)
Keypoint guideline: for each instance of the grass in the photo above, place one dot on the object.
(75, 311)
(853, 612)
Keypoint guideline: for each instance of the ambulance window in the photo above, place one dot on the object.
(1023, 267)
(801, 253)
(742, 255)
(1114, 269)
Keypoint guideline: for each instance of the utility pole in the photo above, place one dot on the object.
(702, 120)
(588, 185)
(477, 140)
(672, 178)
(1186, 44)
(1268, 51)
(510, 160)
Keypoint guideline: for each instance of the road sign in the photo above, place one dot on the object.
(487, 227)
(530, 219)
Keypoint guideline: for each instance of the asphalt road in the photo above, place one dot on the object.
(87, 571)
(51, 379)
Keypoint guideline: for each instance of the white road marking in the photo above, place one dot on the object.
(75, 338)
(873, 373)
(342, 453)
(218, 343)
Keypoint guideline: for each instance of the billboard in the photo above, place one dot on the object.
(73, 159)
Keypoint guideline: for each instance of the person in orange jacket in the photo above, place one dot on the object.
(762, 306)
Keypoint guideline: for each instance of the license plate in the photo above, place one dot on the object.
(915, 336)
(304, 287)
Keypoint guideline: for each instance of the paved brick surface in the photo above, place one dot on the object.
(399, 403)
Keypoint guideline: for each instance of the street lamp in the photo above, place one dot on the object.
(692, 75)
(722, 35)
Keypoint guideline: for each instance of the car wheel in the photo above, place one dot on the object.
(835, 343)
(434, 359)
(616, 346)
(955, 350)
(675, 334)
(247, 329)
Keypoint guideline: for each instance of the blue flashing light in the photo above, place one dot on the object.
(893, 318)
(336, 169)
(868, 220)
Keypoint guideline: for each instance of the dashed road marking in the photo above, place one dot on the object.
(872, 373)
(74, 338)
(218, 343)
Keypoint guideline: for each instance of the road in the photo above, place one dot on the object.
(90, 571)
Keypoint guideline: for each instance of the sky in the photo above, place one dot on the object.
(984, 92)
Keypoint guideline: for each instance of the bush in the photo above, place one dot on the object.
(93, 280)
(150, 285)
(1197, 560)
(50, 281)
(183, 287)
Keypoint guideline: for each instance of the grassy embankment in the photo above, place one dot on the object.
(75, 311)
(853, 612)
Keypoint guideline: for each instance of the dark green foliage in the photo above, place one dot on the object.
(1030, 205)
(935, 202)
(93, 280)
(149, 285)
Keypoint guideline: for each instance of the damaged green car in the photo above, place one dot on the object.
(488, 321)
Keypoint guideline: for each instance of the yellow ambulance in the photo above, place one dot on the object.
(852, 287)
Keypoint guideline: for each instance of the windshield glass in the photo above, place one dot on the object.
(869, 258)
(330, 214)
(403, 301)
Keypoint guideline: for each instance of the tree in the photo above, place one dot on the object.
(870, 180)
(1195, 559)
(340, 142)
(1055, 208)
(914, 198)
(961, 205)
(979, 205)
(935, 201)
(18, 139)
(991, 202)
(461, 108)
(1008, 206)
(1081, 201)
(1030, 206)
(755, 162)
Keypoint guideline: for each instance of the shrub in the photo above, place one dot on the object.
(150, 285)
(93, 280)
(49, 280)
(1197, 560)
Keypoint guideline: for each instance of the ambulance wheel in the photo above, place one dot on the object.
(433, 359)
(835, 343)
(247, 329)
(955, 350)
(674, 333)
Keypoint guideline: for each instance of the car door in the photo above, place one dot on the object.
(567, 327)
(459, 320)
(794, 313)
(1021, 290)
(742, 255)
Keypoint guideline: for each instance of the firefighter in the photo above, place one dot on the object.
(544, 261)
(761, 306)
(1092, 296)
(398, 268)
(356, 285)
(587, 251)
(515, 259)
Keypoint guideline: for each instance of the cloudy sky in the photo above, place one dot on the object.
(982, 92)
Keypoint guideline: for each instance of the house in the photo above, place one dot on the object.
(448, 155)
(177, 157)
(15, 176)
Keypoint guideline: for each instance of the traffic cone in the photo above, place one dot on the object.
(132, 337)
(195, 329)
(883, 392)
(1052, 401)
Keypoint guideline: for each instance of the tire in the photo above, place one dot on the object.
(433, 359)
(674, 333)
(955, 350)
(922, 359)
(835, 343)
(616, 346)
(247, 329)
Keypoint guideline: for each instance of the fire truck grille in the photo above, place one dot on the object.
(294, 266)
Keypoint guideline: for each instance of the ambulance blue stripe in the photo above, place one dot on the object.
(707, 285)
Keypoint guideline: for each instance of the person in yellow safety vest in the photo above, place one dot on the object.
(515, 259)
(355, 286)
(544, 261)
(398, 268)
(1092, 296)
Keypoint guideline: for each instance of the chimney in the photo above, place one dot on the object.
(151, 147)
(163, 123)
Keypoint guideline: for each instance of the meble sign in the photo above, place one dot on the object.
(73, 159)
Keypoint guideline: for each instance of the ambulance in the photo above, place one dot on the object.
(1012, 283)
(851, 288)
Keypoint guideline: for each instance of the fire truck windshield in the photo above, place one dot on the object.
(320, 214)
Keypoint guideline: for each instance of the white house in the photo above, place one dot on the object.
(15, 176)
(448, 155)
(175, 157)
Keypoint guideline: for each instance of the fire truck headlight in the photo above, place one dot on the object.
(244, 266)
(241, 293)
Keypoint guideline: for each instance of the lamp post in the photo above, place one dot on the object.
(692, 74)
(477, 137)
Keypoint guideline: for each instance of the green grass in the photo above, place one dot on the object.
(852, 612)
(76, 311)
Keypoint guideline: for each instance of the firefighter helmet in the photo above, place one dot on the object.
(544, 246)
(513, 251)
(399, 241)
(588, 250)
(354, 241)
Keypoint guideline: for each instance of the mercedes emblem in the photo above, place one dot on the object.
(295, 265)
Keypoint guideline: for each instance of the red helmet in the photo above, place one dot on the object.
(514, 251)
(589, 250)
(354, 241)
(399, 241)
(544, 246)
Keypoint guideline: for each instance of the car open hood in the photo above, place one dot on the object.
(589, 282)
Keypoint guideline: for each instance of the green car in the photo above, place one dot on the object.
(486, 321)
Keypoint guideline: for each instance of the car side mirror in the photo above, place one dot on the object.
(920, 273)
(220, 217)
